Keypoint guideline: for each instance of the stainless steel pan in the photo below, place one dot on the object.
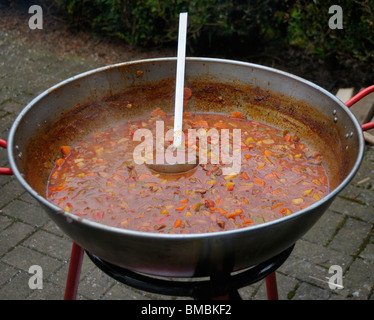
(63, 114)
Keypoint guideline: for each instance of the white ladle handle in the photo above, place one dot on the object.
(179, 85)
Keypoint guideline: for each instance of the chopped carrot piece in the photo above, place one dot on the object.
(187, 93)
(247, 156)
(177, 223)
(277, 173)
(237, 115)
(323, 179)
(277, 205)
(270, 176)
(245, 175)
(231, 215)
(184, 201)
(181, 208)
(259, 182)
(287, 137)
(158, 112)
(221, 211)
(248, 221)
(59, 188)
(220, 125)
(235, 213)
(65, 150)
(59, 162)
(268, 153)
(143, 176)
(201, 123)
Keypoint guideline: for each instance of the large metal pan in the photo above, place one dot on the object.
(63, 114)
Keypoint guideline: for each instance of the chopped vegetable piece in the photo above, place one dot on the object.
(285, 211)
(59, 162)
(187, 93)
(221, 211)
(158, 112)
(143, 176)
(181, 208)
(237, 115)
(209, 203)
(308, 192)
(220, 125)
(248, 140)
(316, 196)
(297, 201)
(177, 223)
(259, 182)
(196, 206)
(66, 150)
(201, 123)
(268, 141)
(231, 176)
(245, 176)
(268, 153)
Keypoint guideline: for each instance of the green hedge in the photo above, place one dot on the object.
(155, 22)
(232, 25)
(308, 29)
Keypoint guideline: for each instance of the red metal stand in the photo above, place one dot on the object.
(74, 272)
(271, 287)
(75, 266)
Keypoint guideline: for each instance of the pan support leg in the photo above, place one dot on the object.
(271, 286)
(75, 266)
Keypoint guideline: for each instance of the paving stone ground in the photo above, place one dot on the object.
(343, 237)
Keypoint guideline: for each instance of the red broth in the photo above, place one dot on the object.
(97, 179)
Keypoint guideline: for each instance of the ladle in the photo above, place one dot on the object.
(178, 107)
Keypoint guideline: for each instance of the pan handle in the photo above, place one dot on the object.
(5, 171)
(356, 98)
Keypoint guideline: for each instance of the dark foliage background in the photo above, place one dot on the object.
(276, 32)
